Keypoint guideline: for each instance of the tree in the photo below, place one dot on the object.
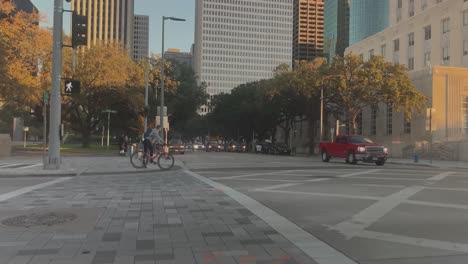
(355, 85)
(109, 80)
(188, 96)
(25, 56)
(25, 63)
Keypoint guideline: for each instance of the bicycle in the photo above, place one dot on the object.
(140, 159)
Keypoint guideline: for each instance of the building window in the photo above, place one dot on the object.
(445, 54)
(411, 8)
(438, 1)
(465, 47)
(400, 3)
(373, 126)
(465, 114)
(361, 56)
(427, 58)
(427, 32)
(396, 45)
(389, 120)
(445, 25)
(411, 39)
(406, 125)
(411, 64)
(371, 53)
(465, 18)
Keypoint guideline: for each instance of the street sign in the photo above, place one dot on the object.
(45, 98)
(71, 87)
(166, 122)
(159, 111)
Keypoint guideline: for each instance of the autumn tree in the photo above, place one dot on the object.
(25, 56)
(355, 85)
(25, 63)
(109, 80)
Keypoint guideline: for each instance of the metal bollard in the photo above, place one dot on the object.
(416, 158)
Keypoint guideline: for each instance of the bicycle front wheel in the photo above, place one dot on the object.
(165, 161)
(139, 159)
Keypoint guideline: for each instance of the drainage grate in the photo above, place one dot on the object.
(41, 219)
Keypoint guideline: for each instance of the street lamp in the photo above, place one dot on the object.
(162, 73)
(108, 122)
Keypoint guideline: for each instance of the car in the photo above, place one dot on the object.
(176, 146)
(235, 146)
(198, 146)
(354, 148)
(280, 149)
(213, 146)
(266, 147)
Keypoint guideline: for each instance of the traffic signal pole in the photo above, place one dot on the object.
(54, 160)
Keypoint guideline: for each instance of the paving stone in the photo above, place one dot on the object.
(111, 237)
(144, 244)
(28, 252)
(103, 257)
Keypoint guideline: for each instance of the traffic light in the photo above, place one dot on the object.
(79, 30)
(71, 87)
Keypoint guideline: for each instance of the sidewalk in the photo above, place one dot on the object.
(73, 166)
(172, 218)
(442, 164)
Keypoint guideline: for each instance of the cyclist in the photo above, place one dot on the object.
(152, 136)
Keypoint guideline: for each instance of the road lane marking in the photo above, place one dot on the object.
(266, 180)
(441, 176)
(357, 173)
(9, 165)
(362, 220)
(252, 174)
(274, 187)
(9, 195)
(321, 252)
(444, 205)
(359, 222)
(364, 197)
(415, 241)
(31, 166)
(378, 185)
(387, 178)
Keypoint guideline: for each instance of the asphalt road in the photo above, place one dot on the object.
(396, 214)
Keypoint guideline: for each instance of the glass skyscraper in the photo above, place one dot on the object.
(367, 17)
(336, 27)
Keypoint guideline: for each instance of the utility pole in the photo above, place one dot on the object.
(146, 96)
(55, 100)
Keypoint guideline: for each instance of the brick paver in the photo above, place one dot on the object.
(166, 217)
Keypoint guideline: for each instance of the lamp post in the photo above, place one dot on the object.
(162, 73)
(108, 122)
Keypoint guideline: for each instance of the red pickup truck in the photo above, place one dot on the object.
(354, 148)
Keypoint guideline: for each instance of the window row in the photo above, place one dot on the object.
(211, 33)
(261, 42)
(247, 12)
(262, 23)
(235, 28)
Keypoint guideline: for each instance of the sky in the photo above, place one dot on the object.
(178, 34)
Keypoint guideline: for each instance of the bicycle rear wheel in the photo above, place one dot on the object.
(166, 161)
(139, 159)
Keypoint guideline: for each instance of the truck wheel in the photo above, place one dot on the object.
(351, 158)
(325, 157)
(380, 162)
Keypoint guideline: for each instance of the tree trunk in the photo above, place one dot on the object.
(85, 140)
(352, 124)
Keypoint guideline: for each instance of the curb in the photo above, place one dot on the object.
(90, 173)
